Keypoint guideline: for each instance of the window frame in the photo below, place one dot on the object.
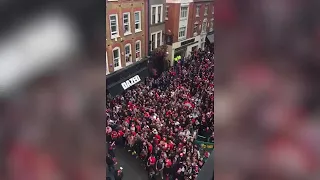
(187, 11)
(185, 32)
(113, 36)
(107, 64)
(211, 25)
(204, 30)
(198, 11)
(113, 59)
(156, 20)
(129, 23)
(167, 12)
(135, 49)
(135, 22)
(156, 39)
(206, 8)
(128, 55)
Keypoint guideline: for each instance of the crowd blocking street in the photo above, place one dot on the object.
(159, 121)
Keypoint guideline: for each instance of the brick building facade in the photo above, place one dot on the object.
(187, 22)
(126, 33)
(156, 17)
(201, 20)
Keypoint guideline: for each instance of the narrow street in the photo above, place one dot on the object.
(132, 169)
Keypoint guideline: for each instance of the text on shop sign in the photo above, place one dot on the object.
(130, 82)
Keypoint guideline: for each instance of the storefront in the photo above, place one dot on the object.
(126, 78)
(183, 48)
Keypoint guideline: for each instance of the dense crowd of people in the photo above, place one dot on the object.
(159, 120)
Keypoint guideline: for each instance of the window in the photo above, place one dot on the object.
(212, 10)
(114, 26)
(116, 58)
(156, 40)
(138, 49)
(195, 30)
(211, 25)
(156, 14)
(183, 12)
(204, 26)
(197, 11)
(153, 42)
(126, 23)
(107, 64)
(167, 12)
(127, 50)
(159, 13)
(182, 32)
(206, 10)
(153, 16)
(137, 21)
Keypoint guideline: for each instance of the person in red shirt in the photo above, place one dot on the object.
(150, 148)
(151, 162)
(114, 135)
(120, 137)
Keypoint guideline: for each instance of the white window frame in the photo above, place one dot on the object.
(198, 11)
(135, 50)
(204, 30)
(129, 24)
(156, 39)
(135, 22)
(107, 64)
(118, 67)
(160, 44)
(167, 12)
(128, 55)
(157, 13)
(211, 25)
(155, 42)
(206, 8)
(185, 33)
(184, 6)
(113, 36)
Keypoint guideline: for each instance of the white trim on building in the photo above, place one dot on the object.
(116, 60)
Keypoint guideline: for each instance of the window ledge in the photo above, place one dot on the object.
(127, 33)
(182, 38)
(117, 68)
(138, 30)
(114, 36)
(197, 16)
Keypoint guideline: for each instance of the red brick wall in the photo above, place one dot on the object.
(119, 8)
(201, 17)
(173, 20)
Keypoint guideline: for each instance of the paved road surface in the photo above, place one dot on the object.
(132, 170)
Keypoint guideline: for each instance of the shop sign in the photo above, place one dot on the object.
(130, 82)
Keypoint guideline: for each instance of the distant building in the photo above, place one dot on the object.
(157, 19)
(126, 33)
(187, 24)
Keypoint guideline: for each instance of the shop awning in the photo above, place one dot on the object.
(210, 38)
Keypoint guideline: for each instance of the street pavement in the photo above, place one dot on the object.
(132, 169)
